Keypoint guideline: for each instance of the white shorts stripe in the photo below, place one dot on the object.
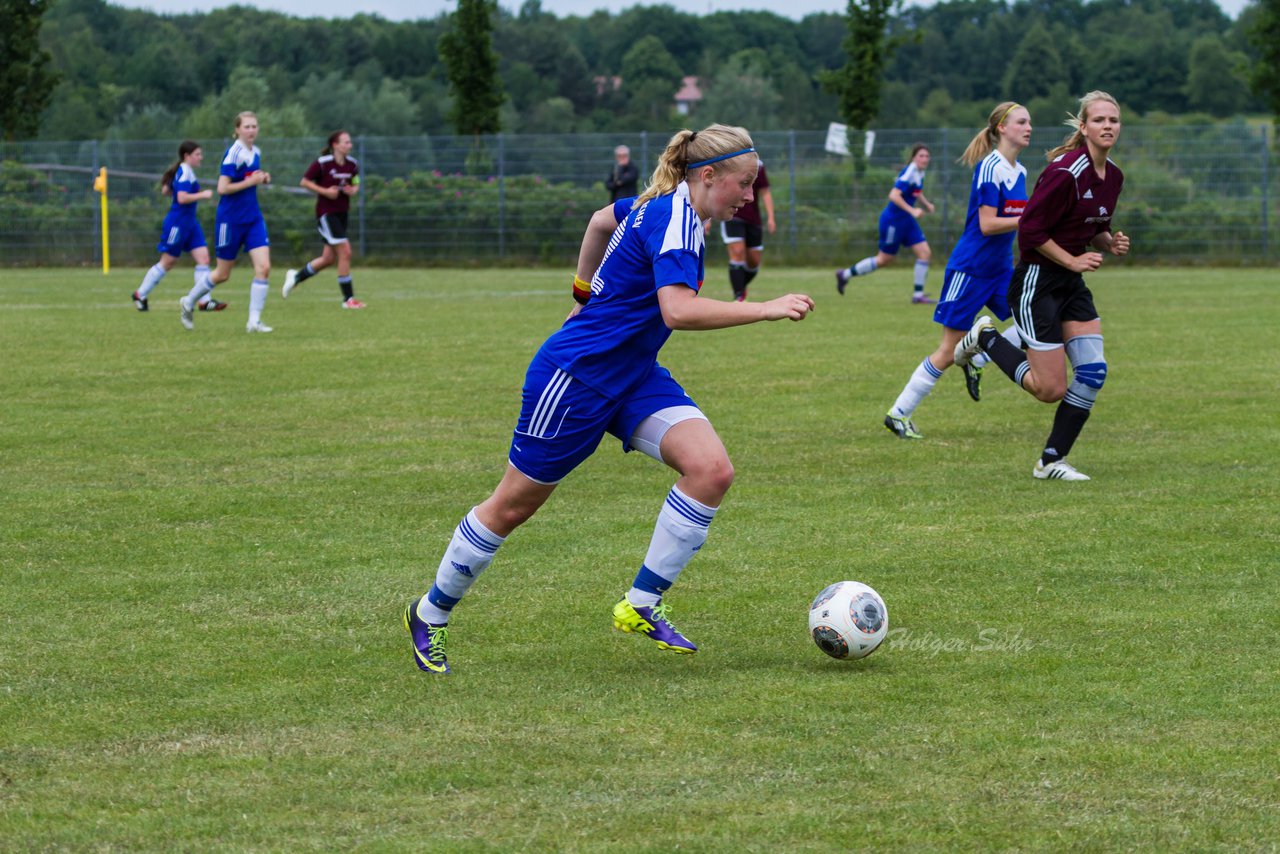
(547, 403)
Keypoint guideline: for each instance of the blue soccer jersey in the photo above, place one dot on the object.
(998, 184)
(612, 344)
(238, 163)
(910, 184)
(184, 181)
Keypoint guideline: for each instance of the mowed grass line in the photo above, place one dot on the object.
(207, 539)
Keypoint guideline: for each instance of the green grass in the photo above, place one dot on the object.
(207, 538)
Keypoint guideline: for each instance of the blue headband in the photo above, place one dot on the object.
(721, 157)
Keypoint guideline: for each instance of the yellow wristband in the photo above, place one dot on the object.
(581, 290)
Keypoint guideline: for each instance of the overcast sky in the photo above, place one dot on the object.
(404, 10)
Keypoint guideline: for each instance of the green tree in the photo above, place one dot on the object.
(215, 117)
(650, 77)
(741, 94)
(1212, 84)
(867, 49)
(26, 80)
(472, 68)
(1264, 33)
(1036, 65)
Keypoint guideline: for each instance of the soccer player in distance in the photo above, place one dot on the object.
(743, 236)
(599, 374)
(238, 223)
(334, 177)
(1064, 232)
(181, 230)
(979, 268)
(898, 227)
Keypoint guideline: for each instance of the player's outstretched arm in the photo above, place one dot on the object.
(682, 308)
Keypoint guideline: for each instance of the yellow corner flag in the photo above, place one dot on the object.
(100, 186)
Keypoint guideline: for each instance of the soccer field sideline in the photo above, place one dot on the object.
(208, 539)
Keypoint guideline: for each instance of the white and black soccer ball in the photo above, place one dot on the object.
(848, 620)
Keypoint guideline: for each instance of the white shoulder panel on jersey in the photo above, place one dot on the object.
(185, 173)
(325, 158)
(684, 229)
(239, 153)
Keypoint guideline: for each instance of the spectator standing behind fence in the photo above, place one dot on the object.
(238, 223)
(181, 230)
(334, 177)
(743, 235)
(599, 374)
(624, 177)
(898, 227)
(979, 267)
(1064, 231)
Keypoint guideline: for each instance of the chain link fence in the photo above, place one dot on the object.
(1193, 195)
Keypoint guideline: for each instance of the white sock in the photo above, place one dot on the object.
(922, 381)
(201, 270)
(151, 279)
(922, 270)
(469, 553)
(202, 286)
(863, 267)
(257, 299)
(680, 531)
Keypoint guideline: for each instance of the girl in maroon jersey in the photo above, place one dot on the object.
(334, 177)
(1064, 232)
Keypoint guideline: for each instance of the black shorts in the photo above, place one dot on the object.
(735, 230)
(1042, 296)
(333, 227)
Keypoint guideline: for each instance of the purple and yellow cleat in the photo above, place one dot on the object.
(428, 641)
(652, 623)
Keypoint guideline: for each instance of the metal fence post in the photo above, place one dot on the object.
(1266, 188)
(502, 198)
(360, 199)
(97, 224)
(644, 153)
(946, 189)
(791, 201)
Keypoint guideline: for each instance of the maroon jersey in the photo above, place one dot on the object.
(750, 212)
(1070, 205)
(327, 173)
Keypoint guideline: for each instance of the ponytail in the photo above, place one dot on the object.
(166, 180)
(989, 137)
(1075, 139)
(712, 146)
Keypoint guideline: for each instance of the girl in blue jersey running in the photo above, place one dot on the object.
(181, 231)
(980, 265)
(238, 224)
(898, 226)
(599, 374)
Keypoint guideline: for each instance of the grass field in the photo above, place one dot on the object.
(207, 540)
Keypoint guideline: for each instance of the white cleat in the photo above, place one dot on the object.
(188, 314)
(1060, 470)
(290, 282)
(257, 327)
(968, 346)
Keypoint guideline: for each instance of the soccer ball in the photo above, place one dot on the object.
(848, 620)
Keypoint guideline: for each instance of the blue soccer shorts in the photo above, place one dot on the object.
(898, 229)
(178, 236)
(233, 235)
(562, 421)
(963, 296)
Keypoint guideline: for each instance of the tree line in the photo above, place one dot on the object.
(116, 73)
